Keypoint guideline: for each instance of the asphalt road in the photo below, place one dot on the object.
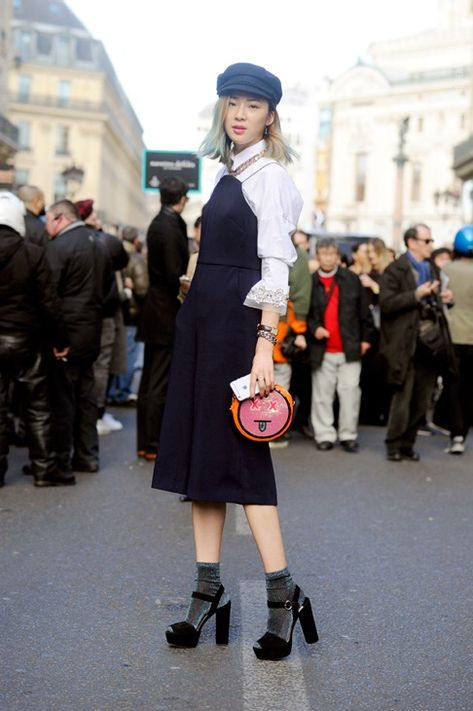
(90, 576)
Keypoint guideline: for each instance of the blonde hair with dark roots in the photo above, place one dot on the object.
(217, 144)
(382, 251)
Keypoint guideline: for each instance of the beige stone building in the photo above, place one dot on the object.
(72, 113)
(8, 132)
(421, 83)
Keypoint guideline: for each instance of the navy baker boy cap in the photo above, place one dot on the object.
(251, 80)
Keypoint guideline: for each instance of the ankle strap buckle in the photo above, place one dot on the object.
(288, 605)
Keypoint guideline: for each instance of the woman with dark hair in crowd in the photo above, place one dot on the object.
(375, 397)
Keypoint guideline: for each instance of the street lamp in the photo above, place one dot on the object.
(400, 160)
(73, 178)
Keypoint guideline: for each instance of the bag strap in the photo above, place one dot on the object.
(328, 294)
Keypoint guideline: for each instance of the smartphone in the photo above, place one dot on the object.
(241, 387)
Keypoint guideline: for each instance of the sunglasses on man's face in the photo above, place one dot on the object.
(427, 241)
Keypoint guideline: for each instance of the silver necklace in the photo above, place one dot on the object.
(247, 163)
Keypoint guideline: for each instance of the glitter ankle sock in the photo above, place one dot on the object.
(280, 587)
(207, 581)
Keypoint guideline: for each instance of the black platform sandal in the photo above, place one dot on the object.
(183, 634)
(270, 646)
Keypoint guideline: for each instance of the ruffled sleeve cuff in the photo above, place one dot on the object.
(272, 291)
(260, 297)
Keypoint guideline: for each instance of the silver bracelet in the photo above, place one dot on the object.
(268, 336)
(268, 329)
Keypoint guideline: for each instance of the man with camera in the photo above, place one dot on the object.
(414, 338)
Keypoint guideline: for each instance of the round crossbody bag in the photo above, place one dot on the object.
(263, 419)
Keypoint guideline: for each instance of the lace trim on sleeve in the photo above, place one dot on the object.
(260, 297)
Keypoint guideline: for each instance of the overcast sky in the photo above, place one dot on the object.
(167, 54)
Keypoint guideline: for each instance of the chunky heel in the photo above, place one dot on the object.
(222, 623)
(306, 617)
(270, 646)
(183, 634)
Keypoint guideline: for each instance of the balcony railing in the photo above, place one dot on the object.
(36, 100)
(58, 102)
(8, 133)
(432, 75)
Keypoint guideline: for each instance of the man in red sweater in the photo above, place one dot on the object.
(341, 330)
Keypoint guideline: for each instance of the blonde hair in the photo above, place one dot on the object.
(217, 144)
(385, 256)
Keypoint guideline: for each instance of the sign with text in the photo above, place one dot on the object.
(167, 164)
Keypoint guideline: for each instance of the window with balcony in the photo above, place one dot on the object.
(21, 177)
(59, 187)
(416, 182)
(44, 44)
(64, 92)
(24, 86)
(24, 45)
(361, 160)
(83, 50)
(63, 50)
(23, 135)
(62, 140)
(325, 123)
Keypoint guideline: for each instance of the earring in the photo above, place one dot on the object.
(266, 131)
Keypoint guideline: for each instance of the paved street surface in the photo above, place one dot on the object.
(90, 577)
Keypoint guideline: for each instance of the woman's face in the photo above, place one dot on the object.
(361, 254)
(245, 121)
(373, 256)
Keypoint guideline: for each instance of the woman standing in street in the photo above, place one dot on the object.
(225, 329)
(375, 394)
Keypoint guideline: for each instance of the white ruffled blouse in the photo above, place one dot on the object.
(277, 204)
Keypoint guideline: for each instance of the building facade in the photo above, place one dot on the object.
(388, 128)
(78, 134)
(8, 132)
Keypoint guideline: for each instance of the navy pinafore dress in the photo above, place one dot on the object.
(201, 453)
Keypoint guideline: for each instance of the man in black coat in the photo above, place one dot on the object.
(409, 290)
(33, 199)
(112, 342)
(30, 320)
(79, 267)
(168, 254)
(341, 331)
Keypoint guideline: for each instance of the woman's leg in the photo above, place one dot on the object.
(266, 530)
(208, 597)
(208, 520)
(265, 527)
(282, 593)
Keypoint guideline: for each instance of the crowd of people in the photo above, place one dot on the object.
(385, 340)
(87, 320)
(70, 298)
